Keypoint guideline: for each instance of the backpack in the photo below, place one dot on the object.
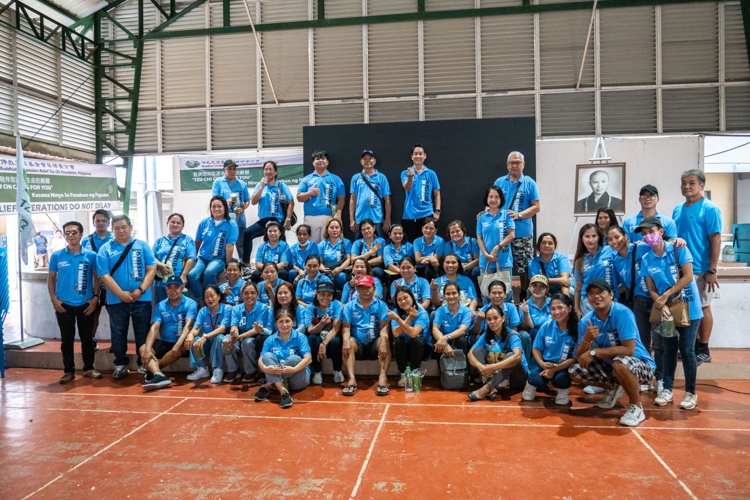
(454, 371)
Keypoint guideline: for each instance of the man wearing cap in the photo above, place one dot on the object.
(610, 353)
(365, 335)
(648, 198)
(323, 195)
(172, 321)
(235, 191)
(422, 190)
(370, 196)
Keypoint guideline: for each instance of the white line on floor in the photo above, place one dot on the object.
(684, 486)
(369, 453)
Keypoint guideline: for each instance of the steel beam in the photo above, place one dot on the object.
(133, 124)
(178, 16)
(745, 6)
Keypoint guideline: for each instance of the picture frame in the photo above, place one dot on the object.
(605, 190)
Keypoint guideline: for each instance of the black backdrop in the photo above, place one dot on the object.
(467, 155)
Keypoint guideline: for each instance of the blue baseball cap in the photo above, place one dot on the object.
(173, 280)
(368, 152)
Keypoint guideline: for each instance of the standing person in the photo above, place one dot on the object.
(606, 218)
(627, 264)
(40, 247)
(74, 291)
(412, 339)
(335, 250)
(428, 250)
(467, 250)
(175, 255)
(237, 196)
(273, 249)
(422, 189)
(495, 232)
(58, 243)
(323, 194)
(592, 260)
(213, 321)
(552, 264)
(370, 197)
(648, 198)
(698, 221)
(522, 203)
(94, 242)
(127, 268)
(370, 246)
(299, 253)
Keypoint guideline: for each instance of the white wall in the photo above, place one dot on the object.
(743, 199)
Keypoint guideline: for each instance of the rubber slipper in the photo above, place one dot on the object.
(380, 391)
(349, 387)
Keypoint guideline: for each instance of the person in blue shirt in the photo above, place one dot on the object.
(235, 193)
(360, 267)
(606, 218)
(172, 321)
(497, 297)
(370, 197)
(285, 299)
(669, 274)
(129, 287)
(94, 242)
(232, 289)
(251, 325)
(610, 354)
(394, 251)
(452, 274)
(299, 253)
(364, 335)
(269, 284)
(213, 322)
(175, 255)
(214, 242)
(554, 265)
(285, 357)
(422, 190)
(535, 311)
(467, 250)
(335, 250)
(553, 351)
(323, 196)
(419, 286)
(698, 222)
(41, 258)
(74, 292)
(495, 232)
(412, 339)
(648, 198)
(450, 328)
(498, 356)
(273, 249)
(307, 286)
(322, 321)
(522, 203)
(428, 250)
(592, 260)
(370, 247)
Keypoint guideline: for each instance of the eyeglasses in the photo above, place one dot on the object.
(72, 233)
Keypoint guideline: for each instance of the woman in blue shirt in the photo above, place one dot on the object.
(273, 249)
(452, 274)
(536, 312)
(268, 286)
(467, 250)
(552, 264)
(232, 289)
(335, 252)
(370, 246)
(214, 242)
(285, 299)
(428, 249)
(395, 251)
(360, 267)
(592, 261)
(322, 320)
(450, 328)
(495, 231)
(410, 325)
(251, 325)
(307, 286)
(606, 218)
(269, 194)
(175, 254)
(627, 256)
(299, 252)
(213, 321)
(419, 286)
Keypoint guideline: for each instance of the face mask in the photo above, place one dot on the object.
(652, 239)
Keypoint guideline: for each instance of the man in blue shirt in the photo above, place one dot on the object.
(235, 191)
(698, 222)
(323, 195)
(129, 290)
(74, 291)
(370, 197)
(40, 246)
(610, 353)
(648, 198)
(94, 242)
(172, 321)
(422, 189)
(522, 203)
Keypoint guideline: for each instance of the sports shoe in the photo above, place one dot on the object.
(529, 392)
(218, 376)
(262, 394)
(690, 401)
(93, 374)
(338, 377)
(592, 389)
(142, 370)
(562, 397)
(67, 377)
(664, 397)
(656, 387)
(231, 377)
(505, 384)
(121, 371)
(199, 373)
(402, 381)
(703, 357)
(249, 377)
(610, 397)
(158, 381)
(247, 273)
(317, 378)
(644, 387)
(286, 400)
(633, 416)
(96, 346)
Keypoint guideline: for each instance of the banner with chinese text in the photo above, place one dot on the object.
(198, 173)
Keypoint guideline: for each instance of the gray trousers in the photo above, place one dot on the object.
(517, 374)
(297, 381)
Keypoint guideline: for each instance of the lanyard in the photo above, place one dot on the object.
(214, 322)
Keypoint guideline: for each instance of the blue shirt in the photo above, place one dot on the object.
(360, 247)
(173, 319)
(235, 296)
(448, 322)
(632, 222)
(209, 322)
(418, 201)
(298, 256)
(465, 252)
(527, 192)
(75, 275)
(41, 244)
(306, 288)
(393, 256)
(468, 291)
(215, 238)
(558, 263)
(512, 342)
(296, 345)
(245, 320)
(263, 296)
(695, 224)
(619, 325)
(512, 318)
(368, 204)
(365, 323)
(184, 247)
(221, 187)
(435, 248)
(624, 272)
(419, 287)
(601, 266)
(335, 311)
(422, 320)
(555, 346)
(494, 229)
(663, 270)
(332, 254)
(98, 242)
(538, 316)
(269, 205)
(349, 294)
(278, 254)
(331, 188)
(131, 273)
(297, 322)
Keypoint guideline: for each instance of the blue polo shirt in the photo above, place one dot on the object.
(41, 244)
(663, 270)
(558, 263)
(98, 242)
(449, 322)
(418, 201)
(695, 224)
(269, 205)
(131, 273)
(598, 266)
(235, 296)
(335, 311)
(331, 254)
(434, 248)
(494, 229)
(331, 188)
(465, 251)
(348, 294)
(208, 322)
(306, 287)
(263, 297)
(539, 316)
(623, 268)
(223, 188)
(365, 323)
(360, 247)
(173, 319)
(296, 345)
(297, 322)
(422, 320)
(75, 275)
(527, 192)
(468, 291)
(618, 326)
(419, 287)
(512, 342)
(512, 318)
(393, 256)
(278, 254)
(184, 246)
(244, 320)
(555, 346)
(368, 204)
(298, 255)
(632, 222)
(216, 237)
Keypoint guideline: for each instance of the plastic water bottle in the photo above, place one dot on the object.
(407, 379)
(416, 381)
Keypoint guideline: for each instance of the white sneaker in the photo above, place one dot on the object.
(142, 370)
(633, 416)
(562, 397)
(591, 389)
(656, 386)
(611, 397)
(529, 392)
(690, 401)
(199, 373)
(402, 381)
(505, 384)
(664, 397)
(218, 376)
(317, 378)
(644, 387)
(338, 377)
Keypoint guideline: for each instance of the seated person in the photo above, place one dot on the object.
(230, 290)
(610, 353)
(428, 250)
(307, 286)
(300, 251)
(273, 249)
(172, 320)
(213, 321)
(536, 312)
(467, 250)
(453, 274)
(335, 251)
(512, 319)
(412, 339)
(365, 335)
(552, 264)
(360, 267)
(370, 246)
(394, 251)
(322, 319)
(251, 325)
(418, 286)
(452, 321)
(285, 299)
(269, 284)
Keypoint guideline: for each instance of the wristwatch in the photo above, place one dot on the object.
(711, 270)
(141, 290)
(593, 353)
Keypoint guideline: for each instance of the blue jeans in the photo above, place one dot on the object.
(213, 349)
(255, 231)
(526, 344)
(642, 309)
(561, 379)
(206, 269)
(686, 343)
(333, 352)
(377, 273)
(297, 381)
(119, 320)
(585, 306)
(292, 275)
(474, 277)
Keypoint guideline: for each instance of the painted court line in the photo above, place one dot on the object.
(102, 450)
(684, 486)
(369, 453)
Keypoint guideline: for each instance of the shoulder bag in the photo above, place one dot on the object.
(678, 307)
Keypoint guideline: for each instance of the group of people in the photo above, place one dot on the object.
(399, 290)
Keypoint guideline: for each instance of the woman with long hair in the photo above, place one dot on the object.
(307, 286)
(299, 253)
(273, 249)
(452, 273)
(552, 264)
(213, 323)
(495, 232)
(394, 251)
(606, 218)
(592, 260)
(269, 195)
(450, 328)
(419, 286)
(410, 325)
(467, 250)
(335, 251)
(175, 254)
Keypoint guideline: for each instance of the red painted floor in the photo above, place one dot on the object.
(108, 439)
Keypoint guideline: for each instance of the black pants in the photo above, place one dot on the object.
(412, 228)
(428, 272)
(411, 352)
(67, 323)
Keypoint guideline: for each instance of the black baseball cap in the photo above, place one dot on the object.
(319, 152)
(649, 221)
(368, 152)
(326, 286)
(229, 163)
(650, 188)
(599, 283)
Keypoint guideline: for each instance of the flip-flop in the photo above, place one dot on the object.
(349, 387)
(380, 392)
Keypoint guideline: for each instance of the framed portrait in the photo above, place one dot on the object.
(600, 186)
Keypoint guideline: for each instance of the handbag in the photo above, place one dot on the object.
(679, 309)
(454, 371)
(487, 278)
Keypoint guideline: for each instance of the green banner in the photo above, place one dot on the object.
(198, 174)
